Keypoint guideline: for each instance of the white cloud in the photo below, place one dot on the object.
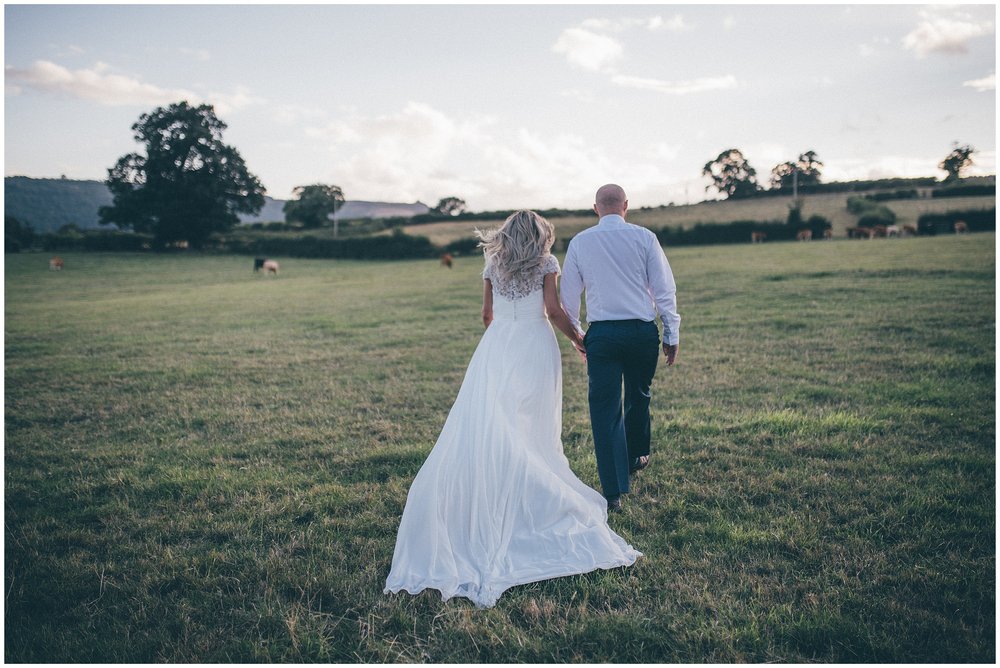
(676, 87)
(676, 23)
(422, 153)
(987, 83)
(866, 50)
(596, 52)
(588, 50)
(225, 103)
(98, 84)
(890, 166)
(937, 33)
(89, 84)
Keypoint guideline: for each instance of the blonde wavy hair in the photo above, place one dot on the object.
(520, 244)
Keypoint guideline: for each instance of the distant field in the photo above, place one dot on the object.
(833, 207)
(204, 465)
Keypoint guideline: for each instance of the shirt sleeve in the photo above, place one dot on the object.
(663, 290)
(571, 288)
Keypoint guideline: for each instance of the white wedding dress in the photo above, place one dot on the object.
(495, 504)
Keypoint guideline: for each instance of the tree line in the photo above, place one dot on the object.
(733, 176)
(190, 184)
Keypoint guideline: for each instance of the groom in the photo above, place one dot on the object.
(627, 281)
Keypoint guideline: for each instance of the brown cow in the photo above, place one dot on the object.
(804, 235)
(56, 263)
(446, 260)
(880, 231)
(859, 232)
(961, 227)
(828, 233)
(757, 237)
(910, 230)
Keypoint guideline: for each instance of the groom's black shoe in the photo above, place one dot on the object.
(615, 505)
(639, 463)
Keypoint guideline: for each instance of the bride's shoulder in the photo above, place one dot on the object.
(550, 264)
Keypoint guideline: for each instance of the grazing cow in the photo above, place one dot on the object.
(828, 233)
(757, 237)
(270, 267)
(892, 231)
(56, 264)
(880, 231)
(258, 263)
(961, 227)
(860, 232)
(910, 230)
(804, 235)
(446, 260)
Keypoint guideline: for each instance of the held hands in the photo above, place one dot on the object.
(670, 352)
(578, 343)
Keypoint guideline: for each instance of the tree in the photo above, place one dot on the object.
(188, 185)
(313, 204)
(450, 206)
(731, 174)
(959, 158)
(809, 170)
(16, 235)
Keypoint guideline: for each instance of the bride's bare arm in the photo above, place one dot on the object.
(557, 316)
(487, 302)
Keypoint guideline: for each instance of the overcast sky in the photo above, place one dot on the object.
(508, 105)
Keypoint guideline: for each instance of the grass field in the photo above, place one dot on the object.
(831, 206)
(207, 465)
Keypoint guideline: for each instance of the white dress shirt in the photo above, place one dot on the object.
(625, 274)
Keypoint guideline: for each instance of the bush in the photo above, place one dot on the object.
(850, 186)
(869, 212)
(468, 246)
(965, 191)
(978, 220)
(96, 241)
(737, 232)
(912, 193)
(396, 246)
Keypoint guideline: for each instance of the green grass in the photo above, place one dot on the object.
(207, 465)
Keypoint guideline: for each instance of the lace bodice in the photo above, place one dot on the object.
(522, 284)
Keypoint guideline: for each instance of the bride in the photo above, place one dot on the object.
(495, 504)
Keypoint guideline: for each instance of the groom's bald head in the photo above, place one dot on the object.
(610, 199)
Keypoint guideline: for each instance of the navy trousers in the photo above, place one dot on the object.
(620, 353)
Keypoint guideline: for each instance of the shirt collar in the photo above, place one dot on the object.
(612, 218)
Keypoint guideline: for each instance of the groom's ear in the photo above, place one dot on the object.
(596, 211)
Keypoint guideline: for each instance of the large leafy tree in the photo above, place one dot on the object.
(313, 204)
(731, 174)
(450, 206)
(188, 185)
(959, 158)
(809, 170)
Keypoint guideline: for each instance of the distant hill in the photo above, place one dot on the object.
(356, 209)
(48, 204)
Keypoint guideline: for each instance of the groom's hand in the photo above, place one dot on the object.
(670, 352)
(580, 346)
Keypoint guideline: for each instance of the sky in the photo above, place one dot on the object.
(508, 106)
